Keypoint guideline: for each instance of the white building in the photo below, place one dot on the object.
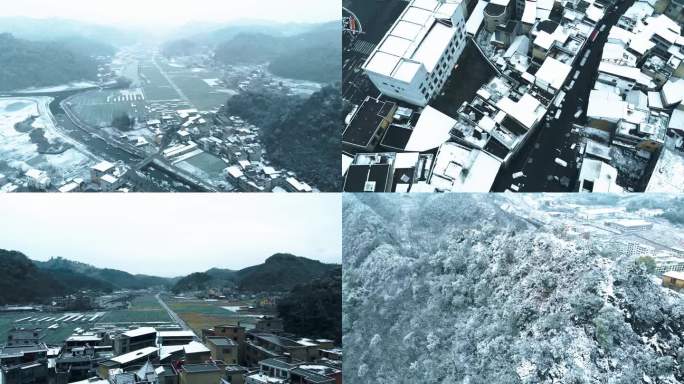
(634, 249)
(630, 225)
(597, 176)
(414, 59)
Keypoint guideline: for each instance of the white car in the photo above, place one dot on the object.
(561, 162)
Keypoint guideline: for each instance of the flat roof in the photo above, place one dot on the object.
(675, 275)
(431, 130)
(528, 110)
(668, 175)
(461, 169)
(553, 72)
(200, 368)
(221, 341)
(139, 332)
(135, 355)
(176, 334)
(476, 17)
(630, 222)
(195, 347)
(103, 166)
(606, 105)
(435, 43)
(366, 121)
(416, 38)
(597, 176)
(396, 137)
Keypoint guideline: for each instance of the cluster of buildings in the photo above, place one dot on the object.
(537, 50)
(104, 176)
(631, 234)
(234, 142)
(225, 354)
(405, 148)
(635, 107)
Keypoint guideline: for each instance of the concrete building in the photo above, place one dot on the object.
(175, 337)
(497, 12)
(368, 124)
(135, 339)
(262, 346)
(598, 176)
(416, 56)
(269, 324)
(224, 349)
(630, 225)
(127, 360)
(674, 280)
(206, 373)
(24, 364)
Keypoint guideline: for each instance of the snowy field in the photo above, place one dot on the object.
(59, 88)
(19, 154)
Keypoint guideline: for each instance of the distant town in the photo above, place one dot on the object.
(192, 331)
(151, 118)
(502, 95)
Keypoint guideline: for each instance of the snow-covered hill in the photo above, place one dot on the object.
(453, 289)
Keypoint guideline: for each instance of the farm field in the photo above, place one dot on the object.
(155, 85)
(203, 96)
(201, 86)
(98, 108)
(144, 308)
(67, 321)
(199, 314)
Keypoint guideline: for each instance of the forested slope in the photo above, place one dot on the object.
(454, 290)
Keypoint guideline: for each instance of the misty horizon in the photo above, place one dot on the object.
(171, 235)
(176, 14)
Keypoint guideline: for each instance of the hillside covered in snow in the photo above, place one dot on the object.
(456, 289)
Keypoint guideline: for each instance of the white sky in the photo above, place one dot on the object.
(175, 12)
(171, 234)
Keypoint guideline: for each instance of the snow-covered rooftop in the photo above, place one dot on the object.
(416, 39)
(431, 130)
(553, 72)
(461, 169)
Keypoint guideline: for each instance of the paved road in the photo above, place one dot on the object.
(536, 159)
(174, 317)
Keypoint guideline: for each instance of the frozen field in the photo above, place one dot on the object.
(17, 151)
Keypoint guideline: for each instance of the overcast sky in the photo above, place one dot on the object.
(175, 12)
(171, 234)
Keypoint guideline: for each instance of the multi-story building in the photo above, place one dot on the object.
(23, 364)
(135, 339)
(175, 337)
(224, 349)
(416, 56)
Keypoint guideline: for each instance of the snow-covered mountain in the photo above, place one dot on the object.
(455, 289)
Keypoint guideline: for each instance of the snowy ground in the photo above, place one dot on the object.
(59, 88)
(18, 153)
